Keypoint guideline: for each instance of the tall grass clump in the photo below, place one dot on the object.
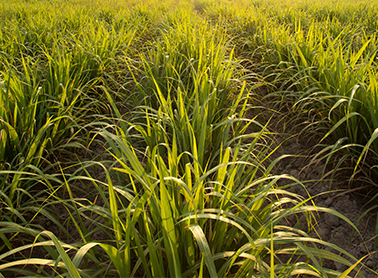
(45, 79)
(322, 63)
(189, 82)
(47, 84)
(218, 223)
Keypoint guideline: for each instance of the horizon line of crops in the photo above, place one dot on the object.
(187, 192)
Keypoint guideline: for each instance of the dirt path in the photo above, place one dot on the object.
(325, 193)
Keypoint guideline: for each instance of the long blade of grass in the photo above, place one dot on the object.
(205, 249)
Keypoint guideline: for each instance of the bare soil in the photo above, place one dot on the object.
(336, 194)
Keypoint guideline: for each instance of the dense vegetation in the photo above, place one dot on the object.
(128, 145)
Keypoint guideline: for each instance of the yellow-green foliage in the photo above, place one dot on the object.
(164, 88)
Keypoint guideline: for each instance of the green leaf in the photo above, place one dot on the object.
(116, 257)
(72, 269)
(373, 137)
(169, 232)
(205, 249)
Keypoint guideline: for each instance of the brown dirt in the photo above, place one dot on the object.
(326, 193)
